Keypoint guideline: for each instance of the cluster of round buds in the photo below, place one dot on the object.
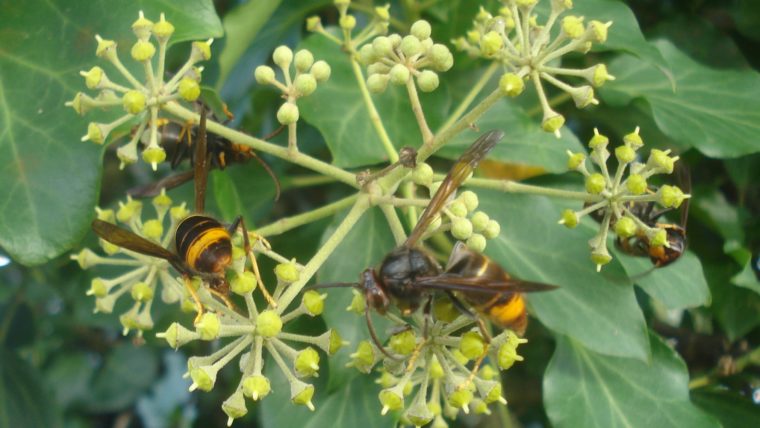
(465, 222)
(141, 281)
(616, 197)
(377, 25)
(403, 60)
(307, 74)
(515, 39)
(252, 335)
(451, 369)
(141, 100)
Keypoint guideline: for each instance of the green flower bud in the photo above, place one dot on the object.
(93, 77)
(461, 228)
(357, 303)
(134, 101)
(234, 407)
(180, 212)
(421, 29)
(154, 156)
(436, 370)
(657, 237)
(444, 310)
(661, 162)
(313, 23)
(142, 26)
(333, 343)
(307, 362)
(583, 96)
(472, 345)
(511, 84)
(422, 174)
(189, 89)
(625, 154)
(479, 221)
(489, 391)
(403, 343)
(367, 54)
(98, 288)
(364, 357)
(126, 211)
(321, 71)
(105, 47)
(302, 393)
(526, 3)
(256, 387)
(347, 22)
(377, 83)
(492, 229)
(153, 229)
(391, 399)
(287, 272)
(595, 183)
(600, 256)
(141, 292)
(201, 51)
(633, 140)
(572, 26)
(636, 184)
(488, 372)
(470, 200)
(460, 399)
(282, 56)
(439, 422)
(438, 54)
(490, 44)
(598, 31)
(569, 218)
(507, 355)
(264, 75)
(305, 84)
(427, 81)
(382, 46)
(314, 302)
(575, 160)
(163, 29)
(476, 242)
(552, 122)
(625, 227)
(399, 74)
(671, 196)
(268, 324)
(143, 51)
(287, 113)
(208, 326)
(598, 141)
(419, 414)
(96, 133)
(177, 335)
(483, 15)
(203, 377)
(410, 46)
(600, 75)
(458, 208)
(303, 60)
(243, 283)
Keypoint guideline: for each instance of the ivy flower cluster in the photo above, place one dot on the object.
(441, 364)
(515, 39)
(616, 196)
(399, 59)
(347, 23)
(141, 100)
(146, 273)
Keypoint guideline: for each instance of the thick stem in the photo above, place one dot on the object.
(399, 235)
(509, 186)
(285, 224)
(324, 252)
(261, 145)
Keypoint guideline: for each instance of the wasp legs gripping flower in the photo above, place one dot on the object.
(239, 222)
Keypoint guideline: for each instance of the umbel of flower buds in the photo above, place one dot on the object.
(530, 51)
(617, 197)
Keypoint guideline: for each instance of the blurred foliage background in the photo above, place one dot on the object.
(603, 356)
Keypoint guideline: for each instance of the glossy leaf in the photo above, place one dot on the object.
(717, 112)
(22, 395)
(598, 310)
(127, 372)
(679, 285)
(524, 141)
(583, 388)
(365, 246)
(344, 120)
(50, 178)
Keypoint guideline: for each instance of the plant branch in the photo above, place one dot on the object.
(427, 134)
(468, 99)
(391, 216)
(510, 186)
(750, 358)
(285, 224)
(374, 116)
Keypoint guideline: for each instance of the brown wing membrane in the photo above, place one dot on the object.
(464, 166)
(481, 284)
(131, 241)
(152, 189)
(201, 164)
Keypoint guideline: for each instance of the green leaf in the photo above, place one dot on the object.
(70, 375)
(598, 310)
(127, 372)
(679, 285)
(50, 178)
(245, 190)
(355, 404)
(717, 112)
(23, 399)
(365, 246)
(731, 409)
(747, 16)
(524, 141)
(736, 308)
(241, 26)
(344, 120)
(583, 388)
(746, 277)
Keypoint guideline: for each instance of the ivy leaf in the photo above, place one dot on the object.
(583, 388)
(524, 141)
(50, 178)
(679, 285)
(23, 399)
(731, 409)
(365, 246)
(126, 373)
(344, 120)
(717, 112)
(598, 310)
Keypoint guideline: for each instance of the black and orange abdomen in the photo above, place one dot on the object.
(204, 244)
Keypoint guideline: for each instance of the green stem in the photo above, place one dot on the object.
(509, 186)
(374, 116)
(285, 224)
(752, 357)
(391, 216)
(308, 181)
(281, 152)
(470, 97)
(369, 10)
(353, 216)
(427, 134)
(553, 102)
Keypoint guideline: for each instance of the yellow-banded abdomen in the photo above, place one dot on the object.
(204, 244)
